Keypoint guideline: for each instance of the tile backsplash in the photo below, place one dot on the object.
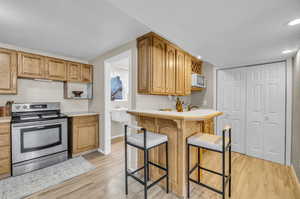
(44, 91)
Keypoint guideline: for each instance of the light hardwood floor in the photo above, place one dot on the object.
(251, 179)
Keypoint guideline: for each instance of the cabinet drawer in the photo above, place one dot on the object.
(4, 166)
(85, 119)
(4, 128)
(4, 152)
(4, 140)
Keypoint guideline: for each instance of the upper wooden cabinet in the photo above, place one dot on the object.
(86, 73)
(170, 69)
(74, 72)
(8, 71)
(31, 65)
(158, 67)
(144, 63)
(180, 75)
(56, 69)
(188, 73)
(163, 67)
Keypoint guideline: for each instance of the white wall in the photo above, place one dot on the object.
(39, 91)
(205, 98)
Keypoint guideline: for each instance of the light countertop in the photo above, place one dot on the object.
(73, 114)
(6, 119)
(198, 114)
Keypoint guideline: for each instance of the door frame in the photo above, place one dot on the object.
(107, 90)
(288, 96)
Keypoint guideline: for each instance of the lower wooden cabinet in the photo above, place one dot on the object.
(5, 160)
(84, 134)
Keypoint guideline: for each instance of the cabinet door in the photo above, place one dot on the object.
(85, 137)
(56, 69)
(188, 75)
(180, 76)
(143, 65)
(8, 72)
(158, 67)
(170, 70)
(74, 72)
(86, 73)
(30, 65)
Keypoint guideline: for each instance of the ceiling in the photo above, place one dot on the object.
(225, 33)
(74, 28)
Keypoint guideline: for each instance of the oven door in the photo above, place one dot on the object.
(37, 139)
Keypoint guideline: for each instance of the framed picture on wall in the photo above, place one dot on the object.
(116, 88)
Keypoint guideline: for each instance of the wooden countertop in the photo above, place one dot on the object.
(199, 114)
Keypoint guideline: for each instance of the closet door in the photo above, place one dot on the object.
(266, 112)
(231, 100)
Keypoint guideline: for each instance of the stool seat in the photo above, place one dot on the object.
(153, 139)
(209, 141)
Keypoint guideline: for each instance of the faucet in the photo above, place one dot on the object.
(190, 107)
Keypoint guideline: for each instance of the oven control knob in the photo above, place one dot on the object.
(18, 107)
(24, 107)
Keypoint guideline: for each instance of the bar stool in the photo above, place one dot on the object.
(145, 141)
(214, 143)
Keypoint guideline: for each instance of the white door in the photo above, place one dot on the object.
(253, 102)
(231, 101)
(266, 112)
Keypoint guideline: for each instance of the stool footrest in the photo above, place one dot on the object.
(136, 178)
(193, 169)
(206, 186)
(214, 172)
(137, 170)
(156, 181)
(158, 166)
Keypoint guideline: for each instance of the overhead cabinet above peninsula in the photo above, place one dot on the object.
(163, 67)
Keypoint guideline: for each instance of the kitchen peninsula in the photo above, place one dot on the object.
(177, 126)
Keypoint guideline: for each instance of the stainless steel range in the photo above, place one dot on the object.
(39, 136)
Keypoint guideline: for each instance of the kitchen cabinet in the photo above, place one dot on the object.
(180, 76)
(74, 72)
(158, 67)
(84, 132)
(188, 74)
(56, 69)
(5, 158)
(144, 65)
(170, 69)
(162, 67)
(87, 73)
(31, 65)
(8, 71)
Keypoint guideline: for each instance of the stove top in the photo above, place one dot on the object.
(30, 112)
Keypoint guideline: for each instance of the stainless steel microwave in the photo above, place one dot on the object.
(198, 81)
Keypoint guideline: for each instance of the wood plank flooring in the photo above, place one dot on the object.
(251, 179)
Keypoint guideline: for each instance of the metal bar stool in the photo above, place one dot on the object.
(214, 143)
(145, 141)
